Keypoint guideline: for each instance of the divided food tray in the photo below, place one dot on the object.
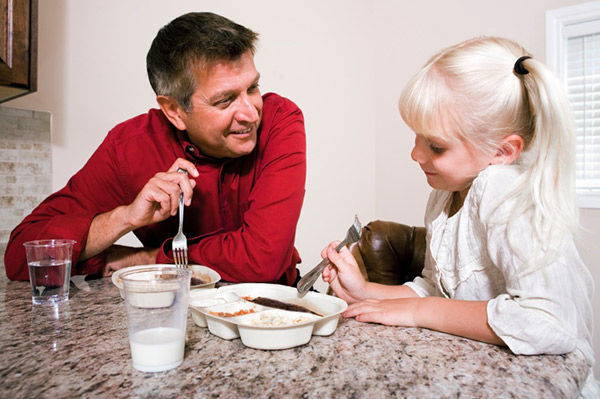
(229, 315)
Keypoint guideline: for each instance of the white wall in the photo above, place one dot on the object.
(343, 62)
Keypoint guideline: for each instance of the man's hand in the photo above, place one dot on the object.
(159, 198)
(118, 257)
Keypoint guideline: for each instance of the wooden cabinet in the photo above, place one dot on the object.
(18, 48)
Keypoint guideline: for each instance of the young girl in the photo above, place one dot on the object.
(495, 141)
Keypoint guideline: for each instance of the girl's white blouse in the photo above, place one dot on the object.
(546, 311)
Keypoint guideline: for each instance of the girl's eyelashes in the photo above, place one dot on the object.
(434, 145)
(436, 149)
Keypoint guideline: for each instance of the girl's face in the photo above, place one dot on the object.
(450, 165)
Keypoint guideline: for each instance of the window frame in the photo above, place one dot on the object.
(558, 21)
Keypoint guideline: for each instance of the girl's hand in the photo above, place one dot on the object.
(343, 274)
(391, 312)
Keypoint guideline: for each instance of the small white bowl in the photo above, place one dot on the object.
(151, 299)
(202, 272)
(206, 274)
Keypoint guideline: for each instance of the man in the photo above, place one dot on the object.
(245, 157)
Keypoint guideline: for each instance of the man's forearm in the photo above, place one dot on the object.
(105, 229)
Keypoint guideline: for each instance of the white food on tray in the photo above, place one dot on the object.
(277, 318)
(264, 327)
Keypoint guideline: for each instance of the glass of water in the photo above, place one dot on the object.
(49, 264)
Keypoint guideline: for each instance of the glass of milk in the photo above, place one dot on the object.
(156, 299)
(49, 263)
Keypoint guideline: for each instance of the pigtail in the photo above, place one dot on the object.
(546, 189)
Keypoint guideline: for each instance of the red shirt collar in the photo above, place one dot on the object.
(191, 150)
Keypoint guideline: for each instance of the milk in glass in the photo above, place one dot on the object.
(157, 349)
(156, 300)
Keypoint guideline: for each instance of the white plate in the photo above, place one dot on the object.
(264, 327)
(202, 272)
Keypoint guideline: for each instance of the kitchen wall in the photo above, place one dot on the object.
(343, 62)
(25, 165)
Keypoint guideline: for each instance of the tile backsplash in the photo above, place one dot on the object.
(25, 166)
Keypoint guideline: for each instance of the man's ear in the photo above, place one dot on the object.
(172, 111)
(509, 150)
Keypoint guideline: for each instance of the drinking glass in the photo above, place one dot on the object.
(49, 263)
(157, 299)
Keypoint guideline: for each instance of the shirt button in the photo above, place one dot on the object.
(189, 148)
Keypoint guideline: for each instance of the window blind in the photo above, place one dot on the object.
(582, 70)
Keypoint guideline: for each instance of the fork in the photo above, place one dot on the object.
(180, 241)
(352, 235)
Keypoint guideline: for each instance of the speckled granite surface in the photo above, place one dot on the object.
(82, 351)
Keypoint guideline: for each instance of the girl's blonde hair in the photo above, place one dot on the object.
(471, 91)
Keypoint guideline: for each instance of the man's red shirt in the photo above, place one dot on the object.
(244, 211)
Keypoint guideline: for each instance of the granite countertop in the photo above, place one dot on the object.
(82, 350)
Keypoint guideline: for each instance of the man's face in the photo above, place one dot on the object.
(226, 108)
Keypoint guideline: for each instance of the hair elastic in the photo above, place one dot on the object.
(519, 68)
